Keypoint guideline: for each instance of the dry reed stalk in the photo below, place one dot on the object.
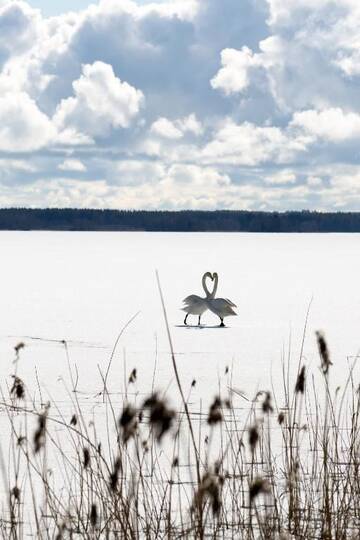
(271, 472)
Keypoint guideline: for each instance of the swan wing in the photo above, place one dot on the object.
(221, 307)
(192, 299)
(194, 304)
(231, 304)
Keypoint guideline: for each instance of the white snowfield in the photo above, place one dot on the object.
(84, 287)
(75, 292)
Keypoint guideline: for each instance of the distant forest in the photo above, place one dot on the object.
(70, 219)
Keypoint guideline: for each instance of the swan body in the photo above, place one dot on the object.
(222, 307)
(194, 304)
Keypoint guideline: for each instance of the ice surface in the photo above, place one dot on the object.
(83, 287)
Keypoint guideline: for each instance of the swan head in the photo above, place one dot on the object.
(208, 275)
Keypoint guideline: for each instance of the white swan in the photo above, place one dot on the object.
(222, 307)
(194, 304)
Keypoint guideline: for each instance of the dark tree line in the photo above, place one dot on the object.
(70, 219)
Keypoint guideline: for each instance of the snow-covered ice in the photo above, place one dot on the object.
(83, 287)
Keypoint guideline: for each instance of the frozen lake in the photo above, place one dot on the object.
(84, 287)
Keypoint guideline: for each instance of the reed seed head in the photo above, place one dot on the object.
(86, 456)
(93, 515)
(133, 376)
(20, 440)
(266, 405)
(259, 485)
(228, 404)
(73, 420)
(145, 446)
(18, 348)
(253, 437)
(281, 418)
(300, 382)
(209, 489)
(114, 476)
(161, 416)
(128, 422)
(39, 435)
(15, 492)
(215, 415)
(17, 389)
(324, 352)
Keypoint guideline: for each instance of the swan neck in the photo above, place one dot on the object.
(207, 292)
(215, 287)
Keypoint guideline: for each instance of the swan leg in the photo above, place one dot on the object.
(185, 319)
(199, 320)
(222, 322)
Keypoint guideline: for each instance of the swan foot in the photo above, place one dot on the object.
(199, 323)
(186, 319)
(222, 325)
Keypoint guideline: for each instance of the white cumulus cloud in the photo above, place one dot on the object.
(72, 165)
(285, 176)
(20, 27)
(165, 128)
(248, 144)
(332, 124)
(234, 75)
(101, 102)
(176, 129)
(23, 127)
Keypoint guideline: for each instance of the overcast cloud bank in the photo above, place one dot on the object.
(184, 104)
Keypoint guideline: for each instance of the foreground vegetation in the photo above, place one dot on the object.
(281, 468)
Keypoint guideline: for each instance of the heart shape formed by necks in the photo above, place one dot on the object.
(213, 277)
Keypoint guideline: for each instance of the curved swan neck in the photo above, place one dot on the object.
(213, 277)
(207, 292)
(216, 279)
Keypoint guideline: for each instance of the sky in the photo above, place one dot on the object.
(57, 7)
(199, 104)
(50, 8)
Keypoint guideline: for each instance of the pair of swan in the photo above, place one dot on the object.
(195, 305)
